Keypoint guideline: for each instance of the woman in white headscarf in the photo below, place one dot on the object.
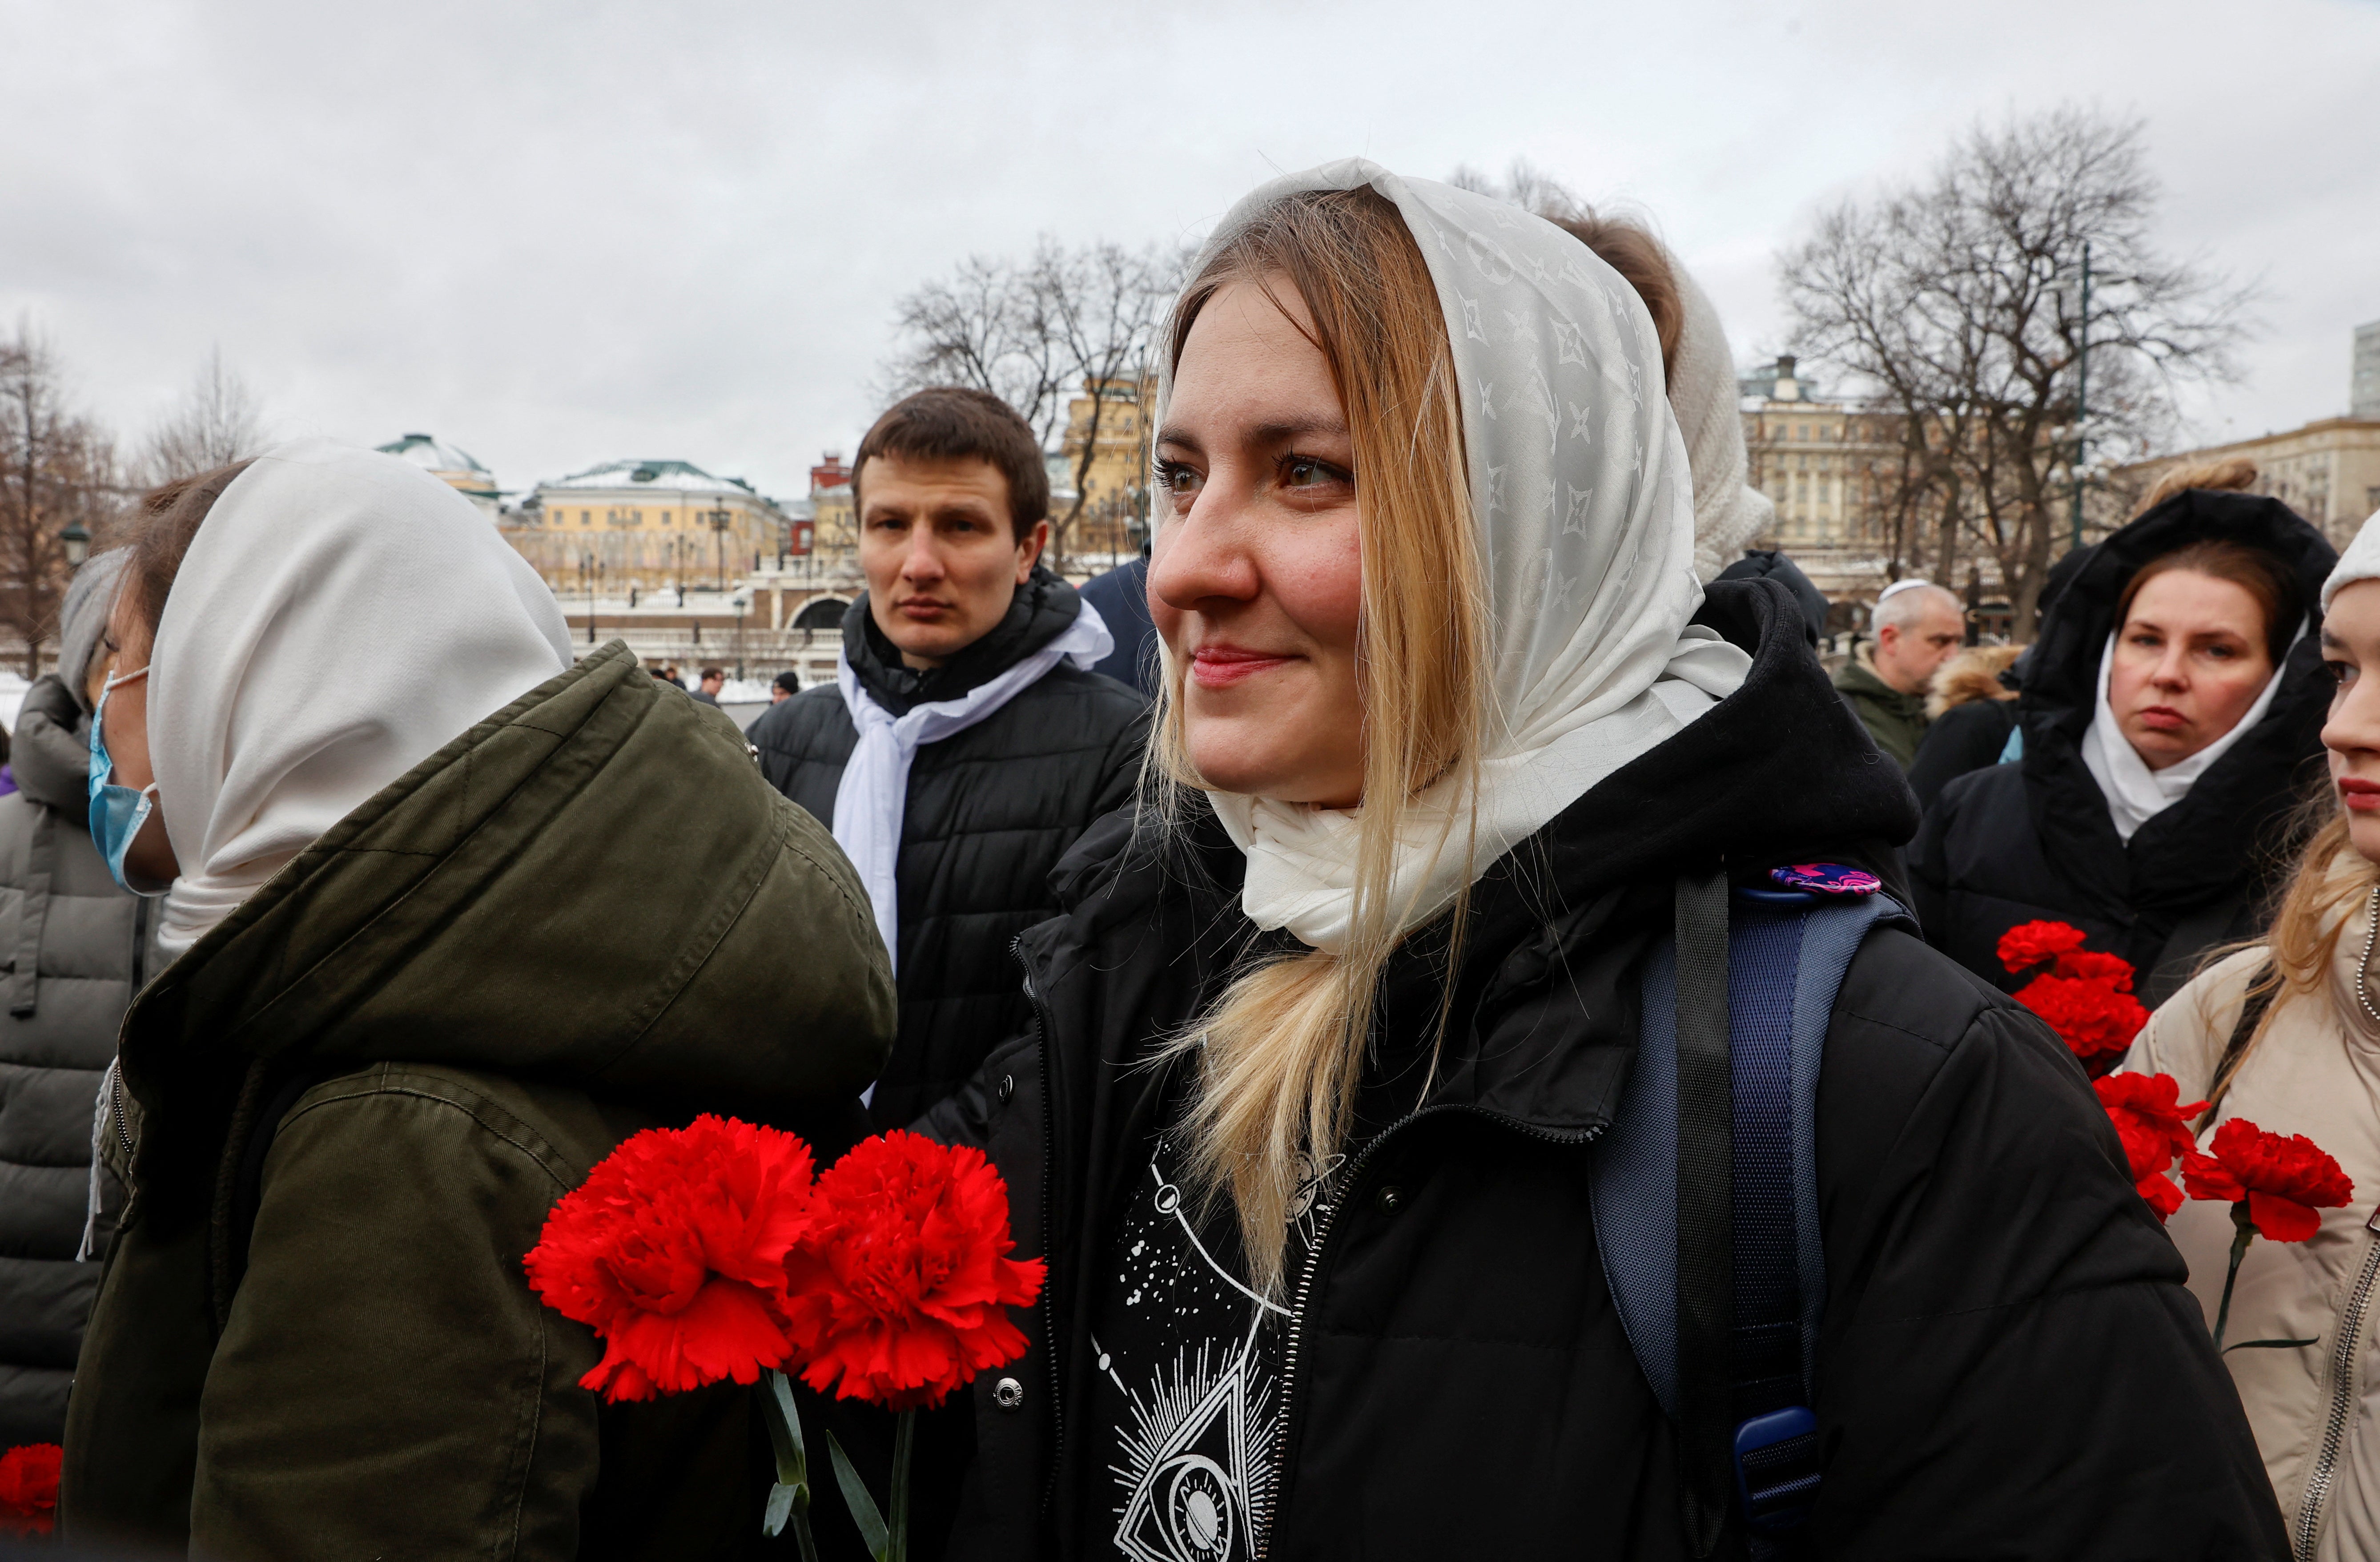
(1329, 1029)
(449, 918)
(2170, 720)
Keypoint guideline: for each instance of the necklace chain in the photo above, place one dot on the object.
(2364, 972)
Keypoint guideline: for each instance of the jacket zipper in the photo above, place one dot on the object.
(1313, 1267)
(1048, 1303)
(2333, 1431)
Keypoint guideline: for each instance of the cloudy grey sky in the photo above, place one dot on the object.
(560, 234)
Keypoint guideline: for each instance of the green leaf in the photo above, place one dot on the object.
(781, 1507)
(863, 1507)
(786, 1432)
(2266, 1344)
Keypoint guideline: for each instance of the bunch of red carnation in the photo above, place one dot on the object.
(28, 1489)
(2084, 994)
(710, 1254)
(2276, 1185)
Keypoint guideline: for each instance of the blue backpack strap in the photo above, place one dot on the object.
(1755, 1269)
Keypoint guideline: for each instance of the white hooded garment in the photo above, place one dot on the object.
(1582, 493)
(340, 617)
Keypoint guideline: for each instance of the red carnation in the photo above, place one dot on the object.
(2090, 1015)
(901, 1288)
(673, 1252)
(2029, 943)
(2154, 1128)
(28, 1489)
(2282, 1181)
(2090, 965)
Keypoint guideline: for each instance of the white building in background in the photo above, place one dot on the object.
(2328, 471)
(451, 464)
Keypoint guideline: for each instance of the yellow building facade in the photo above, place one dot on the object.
(1115, 489)
(647, 524)
(1827, 468)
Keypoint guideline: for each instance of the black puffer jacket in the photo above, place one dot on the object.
(990, 810)
(2009, 1364)
(74, 949)
(2017, 843)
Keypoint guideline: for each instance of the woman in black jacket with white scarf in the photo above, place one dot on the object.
(2170, 723)
(1306, 1126)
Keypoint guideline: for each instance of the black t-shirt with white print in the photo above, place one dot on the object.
(1185, 1411)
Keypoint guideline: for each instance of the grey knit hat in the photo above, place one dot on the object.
(90, 599)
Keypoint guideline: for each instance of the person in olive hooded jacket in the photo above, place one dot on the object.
(450, 919)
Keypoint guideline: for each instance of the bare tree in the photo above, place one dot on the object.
(57, 470)
(1958, 303)
(217, 422)
(1526, 186)
(1062, 326)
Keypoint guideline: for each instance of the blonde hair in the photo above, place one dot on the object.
(2232, 474)
(2331, 877)
(1281, 1053)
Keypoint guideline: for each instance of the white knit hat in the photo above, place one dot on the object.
(2360, 562)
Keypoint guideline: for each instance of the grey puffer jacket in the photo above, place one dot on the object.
(74, 949)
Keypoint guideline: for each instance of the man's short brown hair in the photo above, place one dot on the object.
(954, 423)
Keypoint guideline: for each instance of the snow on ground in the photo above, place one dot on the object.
(12, 698)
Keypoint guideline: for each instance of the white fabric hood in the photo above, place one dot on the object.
(1581, 488)
(341, 614)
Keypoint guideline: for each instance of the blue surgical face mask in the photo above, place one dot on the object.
(117, 812)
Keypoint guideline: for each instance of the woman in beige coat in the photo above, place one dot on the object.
(2287, 1034)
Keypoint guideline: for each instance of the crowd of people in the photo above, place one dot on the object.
(1313, 923)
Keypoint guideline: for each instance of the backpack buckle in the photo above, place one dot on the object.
(1777, 1468)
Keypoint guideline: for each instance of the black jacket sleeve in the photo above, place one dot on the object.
(2010, 1365)
(1966, 737)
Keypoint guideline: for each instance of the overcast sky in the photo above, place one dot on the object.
(561, 234)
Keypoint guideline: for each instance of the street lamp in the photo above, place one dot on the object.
(77, 542)
(589, 572)
(740, 601)
(720, 520)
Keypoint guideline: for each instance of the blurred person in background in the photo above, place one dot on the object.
(2286, 1034)
(713, 680)
(1970, 711)
(1917, 626)
(1771, 564)
(1975, 724)
(2170, 721)
(449, 918)
(81, 948)
(1122, 598)
(784, 686)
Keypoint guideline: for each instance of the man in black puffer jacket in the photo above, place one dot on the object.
(79, 950)
(958, 615)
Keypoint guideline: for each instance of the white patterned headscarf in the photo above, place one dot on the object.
(1581, 490)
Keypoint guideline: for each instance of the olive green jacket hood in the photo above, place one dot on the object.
(593, 887)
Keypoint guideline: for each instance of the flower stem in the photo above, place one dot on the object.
(2246, 1230)
(904, 1440)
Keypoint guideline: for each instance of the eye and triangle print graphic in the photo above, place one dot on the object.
(1196, 1443)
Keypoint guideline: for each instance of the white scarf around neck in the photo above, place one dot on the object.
(340, 617)
(1581, 490)
(873, 796)
(2136, 794)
